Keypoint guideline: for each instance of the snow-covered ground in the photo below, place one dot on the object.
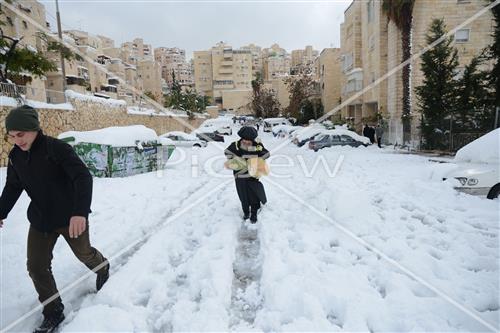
(380, 245)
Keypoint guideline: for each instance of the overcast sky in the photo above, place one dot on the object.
(198, 25)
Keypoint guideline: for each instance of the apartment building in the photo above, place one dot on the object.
(173, 60)
(329, 77)
(371, 47)
(303, 61)
(276, 62)
(257, 65)
(225, 74)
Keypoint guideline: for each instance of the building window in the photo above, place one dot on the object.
(371, 42)
(463, 1)
(10, 21)
(370, 9)
(25, 25)
(462, 35)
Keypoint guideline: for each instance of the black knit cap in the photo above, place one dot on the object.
(248, 133)
(22, 118)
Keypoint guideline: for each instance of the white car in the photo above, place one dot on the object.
(476, 167)
(216, 125)
(269, 123)
(182, 139)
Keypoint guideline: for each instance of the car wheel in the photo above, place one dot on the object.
(494, 192)
(196, 145)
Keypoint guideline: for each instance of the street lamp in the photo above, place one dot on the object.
(59, 32)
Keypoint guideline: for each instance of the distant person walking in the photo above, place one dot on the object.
(379, 131)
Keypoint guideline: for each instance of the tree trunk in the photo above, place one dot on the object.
(406, 118)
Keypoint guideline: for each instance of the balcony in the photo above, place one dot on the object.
(223, 84)
(75, 80)
(226, 63)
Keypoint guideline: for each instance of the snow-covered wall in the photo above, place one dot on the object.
(87, 115)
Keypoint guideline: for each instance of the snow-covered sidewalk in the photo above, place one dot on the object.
(305, 273)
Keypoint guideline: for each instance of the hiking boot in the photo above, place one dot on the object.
(253, 217)
(246, 215)
(102, 277)
(50, 322)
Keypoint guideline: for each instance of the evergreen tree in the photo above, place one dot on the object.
(493, 54)
(474, 111)
(300, 90)
(311, 109)
(436, 96)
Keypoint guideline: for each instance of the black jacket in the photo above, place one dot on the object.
(235, 149)
(57, 181)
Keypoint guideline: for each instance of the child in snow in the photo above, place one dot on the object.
(246, 158)
(60, 188)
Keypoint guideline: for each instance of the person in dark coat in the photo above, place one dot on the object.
(250, 190)
(60, 188)
(366, 131)
(371, 134)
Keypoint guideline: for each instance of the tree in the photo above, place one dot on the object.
(475, 108)
(300, 90)
(401, 13)
(436, 96)
(311, 109)
(263, 102)
(493, 54)
(16, 59)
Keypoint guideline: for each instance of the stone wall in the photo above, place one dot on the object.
(88, 116)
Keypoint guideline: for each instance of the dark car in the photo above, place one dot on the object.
(329, 140)
(213, 136)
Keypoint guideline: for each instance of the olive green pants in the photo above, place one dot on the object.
(40, 247)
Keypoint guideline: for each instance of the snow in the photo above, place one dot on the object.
(9, 101)
(486, 149)
(182, 134)
(109, 102)
(182, 260)
(125, 136)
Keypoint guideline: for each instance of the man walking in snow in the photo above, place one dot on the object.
(379, 131)
(250, 190)
(60, 188)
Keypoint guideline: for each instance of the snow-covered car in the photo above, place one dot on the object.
(337, 137)
(284, 130)
(477, 167)
(221, 125)
(181, 139)
(304, 135)
(269, 123)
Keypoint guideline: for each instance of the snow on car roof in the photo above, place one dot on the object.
(486, 149)
(352, 134)
(125, 136)
(179, 133)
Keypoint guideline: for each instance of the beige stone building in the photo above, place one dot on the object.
(329, 78)
(202, 61)
(371, 47)
(469, 40)
(276, 62)
(224, 69)
(173, 60)
(257, 65)
(351, 66)
(303, 61)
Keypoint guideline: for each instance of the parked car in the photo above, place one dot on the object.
(269, 123)
(301, 137)
(284, 130)
(221, 125)
(182, 139)
(209, 136)
(337, 138)
(477, 165)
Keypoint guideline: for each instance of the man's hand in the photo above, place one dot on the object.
(77, 225)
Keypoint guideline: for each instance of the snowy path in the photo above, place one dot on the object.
(246, 298)
(197, 267)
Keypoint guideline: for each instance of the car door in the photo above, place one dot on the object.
(348, 141)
